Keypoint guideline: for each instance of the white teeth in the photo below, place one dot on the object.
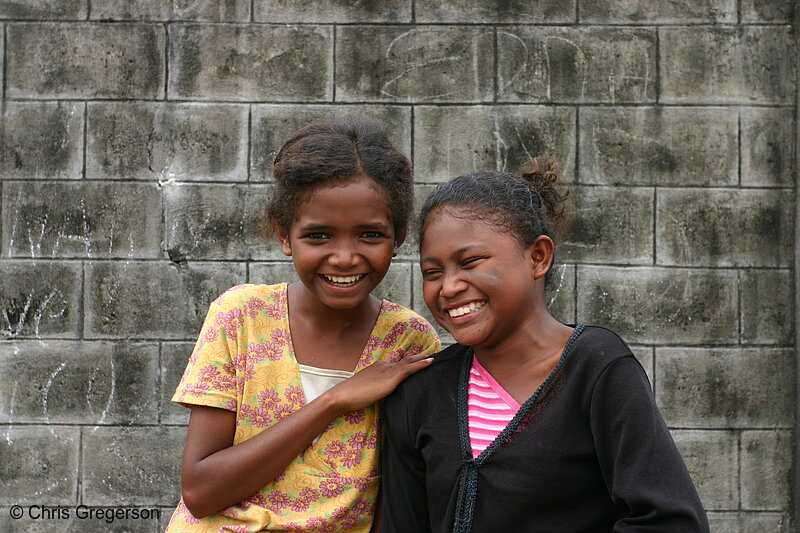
(342, 280)
(463, 310)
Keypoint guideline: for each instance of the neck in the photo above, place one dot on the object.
(540, 339)
(304, 306)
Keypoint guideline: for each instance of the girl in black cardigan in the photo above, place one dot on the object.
(586, 451)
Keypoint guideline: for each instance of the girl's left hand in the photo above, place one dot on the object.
(375, 382)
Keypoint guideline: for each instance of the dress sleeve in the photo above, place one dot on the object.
(210, 376)
(643, 470)
(404, 507)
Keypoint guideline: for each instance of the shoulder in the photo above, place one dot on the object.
(432, 390)
(240, 295)
(397, 322)
(393, 313)
(443, 372)
(599, 346)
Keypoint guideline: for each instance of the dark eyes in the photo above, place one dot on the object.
(432, 274)
(368, 235)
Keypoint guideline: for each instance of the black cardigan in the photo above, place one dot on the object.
(594, 454)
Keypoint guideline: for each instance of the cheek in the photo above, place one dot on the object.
(429, 292)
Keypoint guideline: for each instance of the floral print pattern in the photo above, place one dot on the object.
(244, 362)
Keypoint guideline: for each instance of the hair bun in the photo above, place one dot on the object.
(541, 175)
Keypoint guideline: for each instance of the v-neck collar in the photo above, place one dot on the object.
(364, 351)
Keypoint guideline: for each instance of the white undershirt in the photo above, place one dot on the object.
(315, 381)
(318, 380)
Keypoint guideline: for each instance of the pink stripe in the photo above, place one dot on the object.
(498, 389)
(490, 408)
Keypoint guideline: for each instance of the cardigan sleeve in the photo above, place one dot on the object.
(404, 507)
(643, 470)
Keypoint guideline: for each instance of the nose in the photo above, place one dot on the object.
(452, 284)
(343, 256)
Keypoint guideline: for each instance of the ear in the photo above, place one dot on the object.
(542, 252)
(283, 239)
(399, 239)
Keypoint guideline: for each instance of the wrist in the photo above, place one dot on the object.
(332, 402)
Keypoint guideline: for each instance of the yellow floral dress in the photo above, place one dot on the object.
(244, 362)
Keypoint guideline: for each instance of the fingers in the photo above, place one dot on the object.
(415, 363)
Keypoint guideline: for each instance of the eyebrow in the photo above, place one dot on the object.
(459, 252)
(367, 226)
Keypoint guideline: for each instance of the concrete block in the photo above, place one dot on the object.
(174, 357)
(75, 382)
(327, 11)
(669, 12)
(767, 315)
(767, 470)
(93, 61)
(217, 222)
(82, 219)
(153, 300)
(767, 11)
(167, 141)
(396, 285)
(610, 225)
(727, 65)
(768, 153)
(44, 9)
(39, 300)
(738, 522)
(414, 64)
(272, 124)
(450, 141)
(185, 10)
(712, 458)
(226, 62)
(495, 11)
(39, 465)
(46, 520)
(132, 466)
(272, 272)
(659, 146)
(576, 65)
(645, 356)
(410, 248)
(42, 140)
(726, 387)
(560, 292)
(655, 305)
(724, 227)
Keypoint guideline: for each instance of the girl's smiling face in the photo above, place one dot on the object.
(477, 278)
(342, 241)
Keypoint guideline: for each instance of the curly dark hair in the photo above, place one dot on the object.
(327, 152)
(528, 205)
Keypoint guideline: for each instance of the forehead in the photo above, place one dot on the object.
(447, 231)
(358, 198)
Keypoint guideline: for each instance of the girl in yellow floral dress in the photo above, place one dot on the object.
(284, 379)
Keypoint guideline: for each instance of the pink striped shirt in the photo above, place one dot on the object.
(489, 407)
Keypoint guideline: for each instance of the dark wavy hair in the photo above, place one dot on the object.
(528, 205)
(327, 152)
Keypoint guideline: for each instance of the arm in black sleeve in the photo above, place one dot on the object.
(644, 472)
(404, 506)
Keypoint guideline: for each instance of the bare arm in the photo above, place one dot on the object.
(217, 474)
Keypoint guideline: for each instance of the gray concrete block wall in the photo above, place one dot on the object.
(135, 152)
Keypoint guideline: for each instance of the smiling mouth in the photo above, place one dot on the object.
(465, 309)
(343, 281)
